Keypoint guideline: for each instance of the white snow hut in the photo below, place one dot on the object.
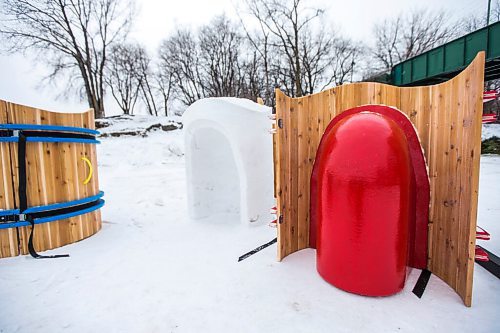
(229, 159)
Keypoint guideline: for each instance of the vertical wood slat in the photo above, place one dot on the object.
(55, 173)
(302, 171)
(447, 118)
(475, 102)
(282, 171)
(8, 237)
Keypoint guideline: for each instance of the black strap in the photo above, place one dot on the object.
(47, 134)
(6, 219)
(23, 198)
(5, 133)
(422, 283)
(32, 250)
(254, 251)
(492, 265)
(58, 135)
(21, 162)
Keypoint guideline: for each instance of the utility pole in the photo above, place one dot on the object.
(488, 15)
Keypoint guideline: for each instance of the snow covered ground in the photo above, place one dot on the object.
(151, 269)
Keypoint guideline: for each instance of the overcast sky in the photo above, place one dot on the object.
(20, 76)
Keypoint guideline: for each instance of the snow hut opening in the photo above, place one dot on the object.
(216, 184)
(229, 159)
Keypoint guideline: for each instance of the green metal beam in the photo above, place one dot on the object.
(450, 58)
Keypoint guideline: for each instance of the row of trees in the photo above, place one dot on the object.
(72, 37)
(278, 43)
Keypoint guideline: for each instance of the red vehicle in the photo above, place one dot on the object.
(490, 96)
(489, 118)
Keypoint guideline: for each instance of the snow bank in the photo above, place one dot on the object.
(229, 163)
(135, 125)
(490, 130)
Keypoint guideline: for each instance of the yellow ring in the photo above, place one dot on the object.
(91, 170)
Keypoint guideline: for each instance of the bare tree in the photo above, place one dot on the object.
(72, 36)
(495, 12)
(211, 63)
(124, 75)
(220, 43)
(253, 78)
(315, 56)
(299, 54)
(287, 51)
(164, 84)
(259, 67)
(475, 22)
(329, 60)
(286, 21)
(146, 83)
(408, 35)
(345, 55)
(180, 54)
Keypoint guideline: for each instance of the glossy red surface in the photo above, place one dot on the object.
(364, 186)
(420, 194)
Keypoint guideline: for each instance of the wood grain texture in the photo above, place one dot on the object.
(55, 173)
(447, 118)
(8, 237)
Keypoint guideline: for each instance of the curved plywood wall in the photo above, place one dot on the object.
(55, 174)
(447, 117)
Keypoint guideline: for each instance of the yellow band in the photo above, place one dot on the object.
(91, 170)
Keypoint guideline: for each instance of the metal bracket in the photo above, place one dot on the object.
(12, 218)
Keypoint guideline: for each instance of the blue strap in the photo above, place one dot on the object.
(14, 225)
(35, 127)
(9, 212)
(48, 139)
(99, 205)
(9, 139)
(60, 205)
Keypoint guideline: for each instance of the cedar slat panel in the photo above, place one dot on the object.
(447, 118)
(55, 173)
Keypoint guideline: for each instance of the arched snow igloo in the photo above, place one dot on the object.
(229, 159)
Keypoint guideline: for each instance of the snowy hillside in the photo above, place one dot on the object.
(490, 130)
(151, 269)
(135, 125)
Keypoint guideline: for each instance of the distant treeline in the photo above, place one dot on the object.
(284, 44)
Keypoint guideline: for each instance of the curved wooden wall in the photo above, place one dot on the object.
(55, 173)
(447, 117)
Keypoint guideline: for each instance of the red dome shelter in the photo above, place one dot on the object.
(369, 201)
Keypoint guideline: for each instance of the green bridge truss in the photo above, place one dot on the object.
(445, 61)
